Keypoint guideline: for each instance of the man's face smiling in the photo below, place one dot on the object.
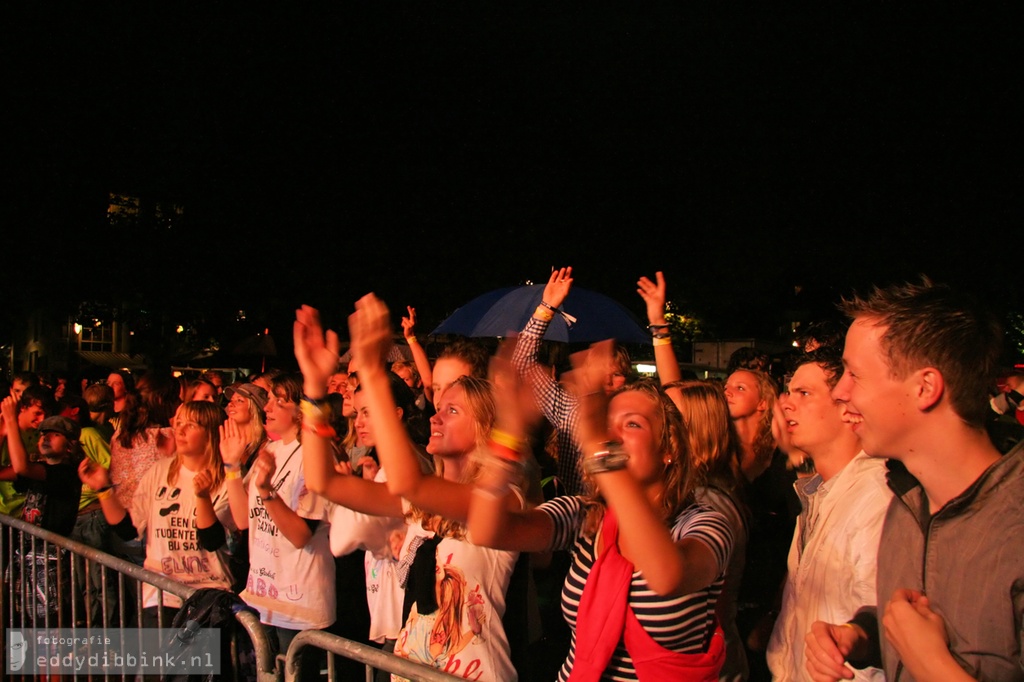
(878, 404)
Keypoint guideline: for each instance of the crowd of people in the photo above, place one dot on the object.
(497, 515)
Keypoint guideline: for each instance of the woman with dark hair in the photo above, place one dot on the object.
(201, 389)
(123, 384)
(143, 436)
(179, 506)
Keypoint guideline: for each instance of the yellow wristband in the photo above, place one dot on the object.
(508, 440)
(662, 342)
(232, 474)
(542, 313)
(411, 340)
(314, 411)
(105, 494)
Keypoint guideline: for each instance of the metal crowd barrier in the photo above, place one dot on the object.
(371, 657)
(29, 602)
(52, 602)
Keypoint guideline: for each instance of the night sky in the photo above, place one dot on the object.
(431, 152)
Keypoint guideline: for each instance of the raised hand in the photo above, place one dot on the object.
(515, 408)
(370, 330)
(409, 322)
(653, 294)
(315, 351)
(8, 414)
(232, 443)
(9, 409)
(586, 381)
(558, 287)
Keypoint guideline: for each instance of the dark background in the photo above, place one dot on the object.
(767, 159)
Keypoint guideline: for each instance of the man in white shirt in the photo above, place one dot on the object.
(832, 560)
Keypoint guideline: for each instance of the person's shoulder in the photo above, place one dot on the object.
(869, 472)
(699, 514)
(565, 503)
(157, 469)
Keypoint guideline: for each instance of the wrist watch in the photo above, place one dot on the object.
(610, 457)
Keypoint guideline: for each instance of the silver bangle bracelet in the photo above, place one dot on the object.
(611, 457)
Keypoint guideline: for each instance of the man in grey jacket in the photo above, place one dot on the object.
(919, 361)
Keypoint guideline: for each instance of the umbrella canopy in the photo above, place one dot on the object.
(504, 312)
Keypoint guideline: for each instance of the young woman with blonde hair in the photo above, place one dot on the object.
(454, 616)
(751, 396)
(639, 597)
(180, 506)
(715, 454)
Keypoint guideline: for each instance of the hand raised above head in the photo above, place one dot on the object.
(515, 407)
(316, 351)
(409, 322)
(558, 286)
(370, 330)
(9, 410)
(587, 381)
(653, 294)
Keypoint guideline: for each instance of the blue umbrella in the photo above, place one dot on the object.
(587, 316)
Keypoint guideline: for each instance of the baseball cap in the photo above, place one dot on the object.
(250, 391)
(61, 425)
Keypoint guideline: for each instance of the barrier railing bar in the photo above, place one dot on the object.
(362, 653)
(125, 569)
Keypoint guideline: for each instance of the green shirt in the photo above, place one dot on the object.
(97, 449)
(11, 500)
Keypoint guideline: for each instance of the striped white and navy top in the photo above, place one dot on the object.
(679, 623)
